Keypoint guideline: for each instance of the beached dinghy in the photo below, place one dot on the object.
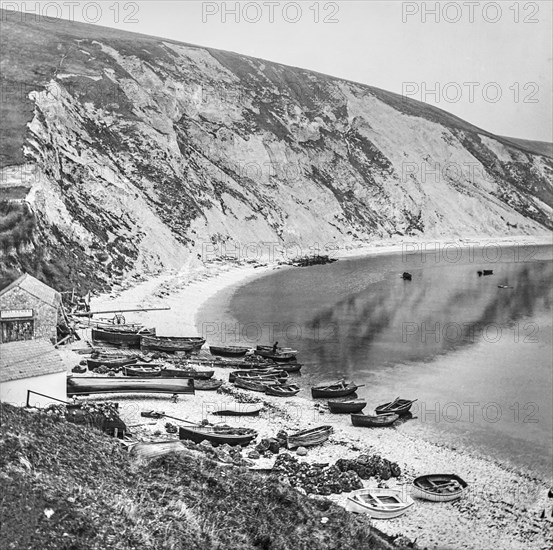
(335, 389)
(218, 435)
(111, 361)
(379, 503)
(308, 438)
(378, 421)
(279, 356)
(349, 406)
(169, 344)
(439, 487)
(228, 351)
(207, 385)
(254, 385)
(84, 385)
(238, 409)
(143, 370)
(118, 337)
(293, 366)
(282, 390)
(398, 406)
(173, 372)
(258, 374)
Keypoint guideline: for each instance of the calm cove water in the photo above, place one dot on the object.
(477, 357)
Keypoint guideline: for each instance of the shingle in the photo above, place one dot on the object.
(29, 358)
(36, 288)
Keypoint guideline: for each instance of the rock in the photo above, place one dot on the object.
(254, 454)
(274, 446)
(301, 451)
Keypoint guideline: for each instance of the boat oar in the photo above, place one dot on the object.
(163, 415)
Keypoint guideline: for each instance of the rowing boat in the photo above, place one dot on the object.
(218, 435)
(342, 406)
(282, 390)
(239, 409)
(379, 503)
(279, 356)
(130, 338)
(399, 406)
(84, 385)
(168, 344)
(254, 385)
(336, 389)
(258, 374)
(308, 438)
(378, 421)
(290, 367)
(111, 362)
(228, 351)
(207, 385)
(171, 372)
(439, 487)
(142, 371)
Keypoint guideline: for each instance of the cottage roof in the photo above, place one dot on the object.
(36, 288)
(29, 358)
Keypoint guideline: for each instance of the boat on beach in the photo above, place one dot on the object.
(239, 409)
(378, 503)
(398, 406)
(170, 344)
(138, 370)
(218, 435)
(111, 362)
(283, 390)
(309, 438)
(119, 337)
(271, 374)
(207, 385)
(84, 385)
(283, 356)
(439, 487)
(290, 367)
(173, 372)
(343, 406)
(254, 385)
(334, 389)
(378, 421)
(228, 351)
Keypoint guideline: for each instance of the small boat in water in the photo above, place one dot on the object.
(378, 421)
(308, 438)
(439, 487)
(399, 406)
(334, 389)
(218, 435)
(379, 503)
(239, 409)
(228, 351)
(343, 406)
(282, 390)
(84, 385)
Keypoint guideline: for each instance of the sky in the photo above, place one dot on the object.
(489, 63)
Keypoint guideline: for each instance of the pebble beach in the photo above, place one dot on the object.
(501, 508)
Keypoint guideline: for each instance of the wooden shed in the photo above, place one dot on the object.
(28, 309)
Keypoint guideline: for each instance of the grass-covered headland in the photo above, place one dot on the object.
(65, 486)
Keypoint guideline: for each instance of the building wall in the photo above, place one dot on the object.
(45, 316)
(14, 392)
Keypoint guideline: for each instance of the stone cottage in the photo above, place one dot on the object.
(28, 309)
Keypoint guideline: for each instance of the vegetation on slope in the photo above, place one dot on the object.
(69, 487)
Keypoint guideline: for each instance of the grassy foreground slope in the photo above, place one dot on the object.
(68, 487)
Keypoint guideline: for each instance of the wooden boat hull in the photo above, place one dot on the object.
(168, 372)
(142, 372)
(403, 406)
(120, 338)
(278, 357)
(258, 374)
(220, 437)
(149, 343)
(110, 384)
(228, 351)
(290, 367)
(320, 391)
(282, 390)
(239, 409)
(253, 385)
(207, 385)
(346, 407)
(434, 487)
(378, 421)
(388, 504)
(309, 438)
(110, 363)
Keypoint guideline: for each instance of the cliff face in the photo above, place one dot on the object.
(138, 151)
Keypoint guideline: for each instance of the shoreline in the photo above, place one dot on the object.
(503, 504)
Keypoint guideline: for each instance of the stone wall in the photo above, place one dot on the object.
(45, 316)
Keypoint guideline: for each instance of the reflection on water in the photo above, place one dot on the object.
(447, 336)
